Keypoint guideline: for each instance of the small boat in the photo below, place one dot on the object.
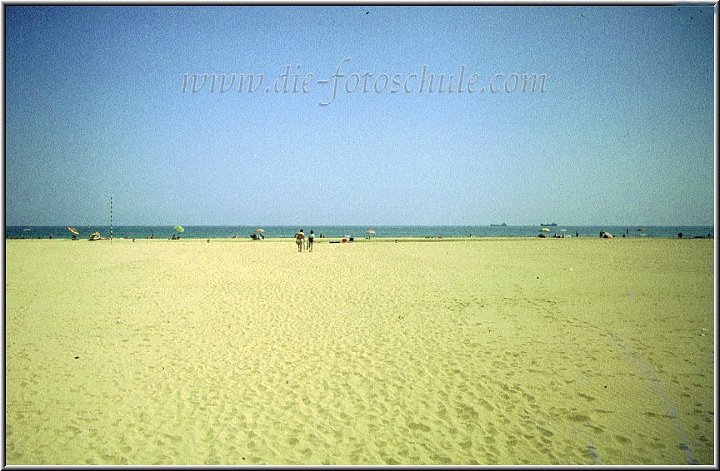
(498, 225)
(548, 225)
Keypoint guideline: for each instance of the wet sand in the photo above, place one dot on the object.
(473, 351)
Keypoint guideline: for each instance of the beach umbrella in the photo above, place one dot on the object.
(179, 229)
(370, 231)
(563, 230)
(544, 229)
(260, 230)
(73, 230)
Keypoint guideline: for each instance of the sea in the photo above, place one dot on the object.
(213, 232)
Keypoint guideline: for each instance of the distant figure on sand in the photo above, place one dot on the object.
(311, 240)
(300, 240)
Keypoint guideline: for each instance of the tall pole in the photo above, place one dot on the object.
(110, 218)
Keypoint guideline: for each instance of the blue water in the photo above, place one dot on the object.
(204, 232)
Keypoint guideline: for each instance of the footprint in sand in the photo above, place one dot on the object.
(545, 432)
(579, 418)
(172, 438)
(596, 429)
(586, 397)
(621, 439)
(467, 412)
(486, 405)
(416, 426)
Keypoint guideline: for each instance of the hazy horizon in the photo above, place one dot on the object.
(618, 126)
(311, 225)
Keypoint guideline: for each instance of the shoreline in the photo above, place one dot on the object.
(363, 239)
(360, 232)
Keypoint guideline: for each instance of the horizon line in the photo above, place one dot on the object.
(362, 225)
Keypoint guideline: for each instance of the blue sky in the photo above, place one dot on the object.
(622, 134)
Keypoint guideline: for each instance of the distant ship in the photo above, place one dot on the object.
(548, 225)
(498, 225)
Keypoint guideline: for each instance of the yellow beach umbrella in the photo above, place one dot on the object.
(544, 229)
(73, 230)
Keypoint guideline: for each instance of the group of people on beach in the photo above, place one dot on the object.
(304, 242)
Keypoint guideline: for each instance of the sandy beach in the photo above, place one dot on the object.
(472, 351)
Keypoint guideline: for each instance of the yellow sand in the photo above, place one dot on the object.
(480, 351)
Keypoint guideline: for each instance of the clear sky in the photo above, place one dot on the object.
(621, 134)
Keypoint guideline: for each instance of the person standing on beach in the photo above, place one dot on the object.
(300, 240)
(311, 240)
